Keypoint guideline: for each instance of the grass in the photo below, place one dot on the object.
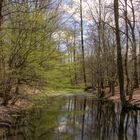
(66, 91)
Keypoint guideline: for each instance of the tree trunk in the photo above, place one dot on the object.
(134, 53)
(82, 45)
(1, 2)
(126, 54)
(74, 58)
(112, 88)
(134, 48)
(139, 55)
(119, 54)
(100, 39)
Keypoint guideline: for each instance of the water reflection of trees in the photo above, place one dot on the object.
(77, 118)
(129, 126)
(38, 123)
(102, 120)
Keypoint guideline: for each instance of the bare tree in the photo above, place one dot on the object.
(1, 3)
(126, 54)
(132, 25)
(82, 44)
(119, 54)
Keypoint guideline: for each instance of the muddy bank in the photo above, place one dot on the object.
(9, 113)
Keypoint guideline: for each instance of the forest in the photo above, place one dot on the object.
(87, 45)
(59, 44)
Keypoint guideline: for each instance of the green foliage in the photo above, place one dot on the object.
(29, 53)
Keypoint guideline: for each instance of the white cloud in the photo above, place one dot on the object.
(74, 9)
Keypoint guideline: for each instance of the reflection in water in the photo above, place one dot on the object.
(75, 118)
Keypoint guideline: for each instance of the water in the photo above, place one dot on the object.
(74, 118)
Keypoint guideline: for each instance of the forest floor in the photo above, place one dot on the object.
(134, 101)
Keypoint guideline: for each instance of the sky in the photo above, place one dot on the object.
(72, 6)
(72, 12)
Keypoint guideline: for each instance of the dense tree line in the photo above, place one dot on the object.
(109, 45)
(42, 45)
(28, 50)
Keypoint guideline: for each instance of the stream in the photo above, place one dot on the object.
(74, 118)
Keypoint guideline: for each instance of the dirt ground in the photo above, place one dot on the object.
(134, 101)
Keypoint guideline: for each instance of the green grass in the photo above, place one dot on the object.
(65, 91)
